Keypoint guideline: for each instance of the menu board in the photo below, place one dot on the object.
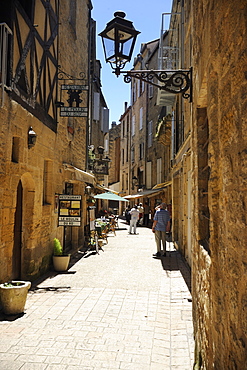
(69, 213)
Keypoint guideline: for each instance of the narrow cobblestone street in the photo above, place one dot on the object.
(119, 309)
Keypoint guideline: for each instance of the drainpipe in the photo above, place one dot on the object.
(89, 94)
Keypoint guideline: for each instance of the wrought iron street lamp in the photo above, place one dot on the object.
(119, 39)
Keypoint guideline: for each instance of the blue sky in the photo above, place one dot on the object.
(146, 18)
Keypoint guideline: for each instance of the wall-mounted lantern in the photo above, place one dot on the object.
(100, 150)
(88, 190)
(32, 136)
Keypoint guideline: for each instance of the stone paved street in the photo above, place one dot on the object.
(119, 309)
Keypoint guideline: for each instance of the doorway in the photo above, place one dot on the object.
(23, 226)
(16, 255)
(189, 199)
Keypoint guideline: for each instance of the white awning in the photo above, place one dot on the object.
(104, 189)
(80, 175)
(142, 194)
(149, 193)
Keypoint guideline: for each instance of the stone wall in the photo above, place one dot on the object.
(22, 169)
(114, 154)
(219, 273)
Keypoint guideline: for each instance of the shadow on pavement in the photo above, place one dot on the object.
(174, 261)
(10, 318)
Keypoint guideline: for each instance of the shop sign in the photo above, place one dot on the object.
(73, 111)
(100, 167)
(69, 213)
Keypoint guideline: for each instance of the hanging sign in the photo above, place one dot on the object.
(69, 213)
(76, 95)
(100, 166)
(73, 111)
(74, 87)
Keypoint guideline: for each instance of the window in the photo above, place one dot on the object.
(15, 149)
(128, 123)
(149, 175)
(47, 182)
(122, 156)
(150, 133)
(141, 151)
(134, 88)
(150, 91)
(203, 178)
(159, 170)
(106, 144)
(123, 128)
(142, 85)
(96, 106)
(138, 88)
(141, 118)
(5, 33)
(104, 119)
(72, 14)
(133, 125)
(132, 154)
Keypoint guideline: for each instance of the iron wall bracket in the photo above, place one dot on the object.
(174, 81)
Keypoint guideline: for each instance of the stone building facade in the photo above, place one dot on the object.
(114, 155)
(208, 173)
(180, 125)
(147, 161)
(48, 47)
(125, 119)
(209, 177)
(219, 181)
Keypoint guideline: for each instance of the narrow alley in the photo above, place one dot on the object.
(119, 309)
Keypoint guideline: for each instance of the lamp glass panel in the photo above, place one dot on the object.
(109, 47)
(125, 48)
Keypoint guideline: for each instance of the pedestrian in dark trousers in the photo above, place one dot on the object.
(161, 223)
(146, 214)
(127, 214)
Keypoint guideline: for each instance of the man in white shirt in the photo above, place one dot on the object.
(134, 218)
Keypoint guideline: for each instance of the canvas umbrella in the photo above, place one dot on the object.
(110, 196)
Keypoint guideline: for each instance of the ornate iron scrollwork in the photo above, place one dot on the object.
(175, 82)
(61, 75)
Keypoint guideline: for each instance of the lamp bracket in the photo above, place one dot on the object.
(174, 81)
(61, 75)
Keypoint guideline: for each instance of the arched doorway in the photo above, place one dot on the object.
(23, 225)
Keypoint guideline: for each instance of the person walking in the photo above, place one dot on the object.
(134, 218)
(161, 223)
(127, 214)
(141, 210)
(146, 214)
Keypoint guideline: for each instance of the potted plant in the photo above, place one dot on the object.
(13, 296)
(60, 260)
